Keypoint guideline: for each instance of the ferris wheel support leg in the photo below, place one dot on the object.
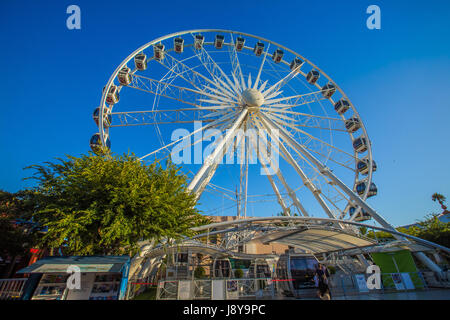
(429, 263)
(202, 185)
(363, 260)
(420, 255)
(213, 157)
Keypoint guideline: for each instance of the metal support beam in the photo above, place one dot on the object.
(280, 177)
(213, 157)
(306, 181)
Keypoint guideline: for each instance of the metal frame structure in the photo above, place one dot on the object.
(226, 97)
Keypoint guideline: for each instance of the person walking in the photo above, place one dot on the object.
(321, 282)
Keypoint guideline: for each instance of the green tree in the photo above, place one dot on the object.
(441, 199)
(199, 272)
(105, 204)
(238, 273)
(431, 229)
(16, 235)
(16, 231)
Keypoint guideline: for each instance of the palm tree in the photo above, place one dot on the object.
(441, 199)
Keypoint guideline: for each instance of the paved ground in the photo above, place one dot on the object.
(432, 294)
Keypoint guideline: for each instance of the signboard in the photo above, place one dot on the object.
(232, 289)
(87, 281)
(361, 282)
(62, 268)
(409, 285)
(218, 290)
(397, 278)
(184, 290)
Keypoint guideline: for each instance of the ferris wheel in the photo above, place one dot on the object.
(272, 107)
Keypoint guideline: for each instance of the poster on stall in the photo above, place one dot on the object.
(397, 278)
(184, 290)
(232, 289)
(409, 285)
(361, 282)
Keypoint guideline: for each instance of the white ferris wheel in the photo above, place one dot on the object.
(271, 119)
(264, 99)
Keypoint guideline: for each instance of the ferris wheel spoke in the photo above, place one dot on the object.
(181, 94)
(306, 181)
(235, 65)
(263, 138)
(225, 86)
(223, 93)
(301, 114)
(277, 86)
(210, 188)
(295, 123)
(208, 125)
(243, 181)
(280, 177)
(311, 137)
(249, 80)
(345, 198)
(258, 76)
(213, 68)
(327, 158)
(220, 126)
(337, 198)
(133, 118)
(303, 120)
(298, 100)
(281, 201)
(263, 85)
(175, 92)
(196, 79)
(218, 100)
(213, 157)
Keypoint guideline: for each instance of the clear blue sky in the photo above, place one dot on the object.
(398, 77)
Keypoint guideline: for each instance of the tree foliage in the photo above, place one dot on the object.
(16, 235)
(199, 272)
(431, 229)
(105, 204)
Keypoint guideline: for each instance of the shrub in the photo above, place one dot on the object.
(199, 272)
(238, 273)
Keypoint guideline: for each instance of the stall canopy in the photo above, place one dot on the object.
(60, 264)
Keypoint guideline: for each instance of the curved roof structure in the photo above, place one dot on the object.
(311, 235)
(316, 240)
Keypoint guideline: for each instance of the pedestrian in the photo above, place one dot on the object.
(321, 282)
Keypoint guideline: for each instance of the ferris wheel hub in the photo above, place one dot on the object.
(252, 98)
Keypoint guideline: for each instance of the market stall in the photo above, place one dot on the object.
(98, 278)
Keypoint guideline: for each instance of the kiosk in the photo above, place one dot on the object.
(100, 278)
